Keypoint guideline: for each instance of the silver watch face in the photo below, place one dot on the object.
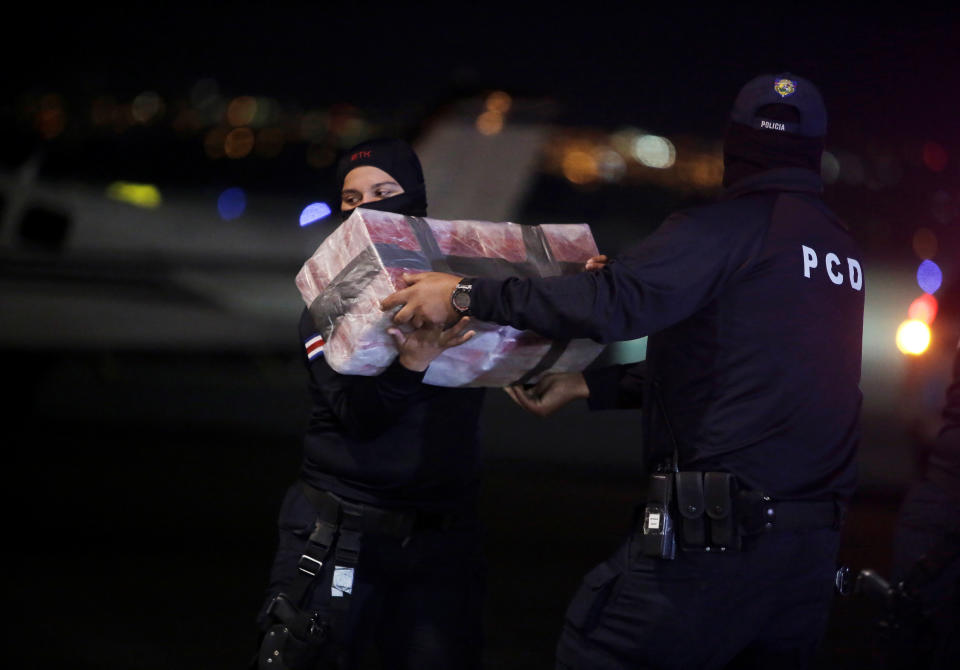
(461, 299)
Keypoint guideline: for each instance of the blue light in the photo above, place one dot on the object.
(929, 276)
(313, 213)
(231, 203)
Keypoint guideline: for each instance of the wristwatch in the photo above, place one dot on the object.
(460, 298)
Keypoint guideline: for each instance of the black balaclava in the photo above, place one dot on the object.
(748, 151)
(396, 158)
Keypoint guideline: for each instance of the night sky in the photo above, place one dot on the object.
(671, 67)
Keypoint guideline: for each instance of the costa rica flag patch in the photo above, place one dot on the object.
(314, 347)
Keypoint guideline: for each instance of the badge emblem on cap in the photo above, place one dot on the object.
(784, 87)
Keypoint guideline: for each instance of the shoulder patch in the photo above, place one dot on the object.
(314, 346)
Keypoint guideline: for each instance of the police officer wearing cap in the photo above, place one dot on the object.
(380, 553)
(749, 394)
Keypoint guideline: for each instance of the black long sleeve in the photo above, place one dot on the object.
(675, 271)
(365, 406)
(616, 387)
(389, 439)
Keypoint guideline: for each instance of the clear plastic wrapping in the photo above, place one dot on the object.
(362, 261)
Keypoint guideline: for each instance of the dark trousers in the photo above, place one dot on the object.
(415, 603)
(764, 607)
(929, 633)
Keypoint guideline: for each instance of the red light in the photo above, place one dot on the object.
(923, 309)
(934, 156)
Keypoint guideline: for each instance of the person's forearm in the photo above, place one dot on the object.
(559, 308)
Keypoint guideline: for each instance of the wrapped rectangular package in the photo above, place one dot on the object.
(361, 262)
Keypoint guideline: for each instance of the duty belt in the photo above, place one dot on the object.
(371, 519)
(708, 511)
(758, 513)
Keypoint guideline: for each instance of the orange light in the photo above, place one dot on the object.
(213, 142)
(241, 110)
(913, 337)
(580, 167)
(923, 309)
(239, 143)
(490, 123)
(498, 101)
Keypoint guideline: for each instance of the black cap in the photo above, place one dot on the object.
(393, 156)
(781, 89)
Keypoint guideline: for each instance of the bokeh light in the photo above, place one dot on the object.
(913, 337)
(610, 164)
(829, 168)
(239, 143)
(852, 170)
(241, 111)
(923, 309)
(146, 107)
(703, 171)
(499, 101)
(929, 276)
(314, 212)
(139, 195)
(934, 157)
(232, 203)
(925, 244)
(213, 142)
(654, 151)
(580, 167)
(267, 112)
(490, 122)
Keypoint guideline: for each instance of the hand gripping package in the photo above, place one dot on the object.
(361, 263)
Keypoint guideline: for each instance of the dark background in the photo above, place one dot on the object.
(142, 485)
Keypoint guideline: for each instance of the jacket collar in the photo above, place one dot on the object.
(779, 179)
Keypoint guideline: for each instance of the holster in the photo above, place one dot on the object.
(298, 641)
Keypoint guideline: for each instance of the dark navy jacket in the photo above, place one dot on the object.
(390, 439)
(754, 311)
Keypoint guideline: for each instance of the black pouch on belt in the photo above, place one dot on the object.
(690, 505)
(719, 490)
